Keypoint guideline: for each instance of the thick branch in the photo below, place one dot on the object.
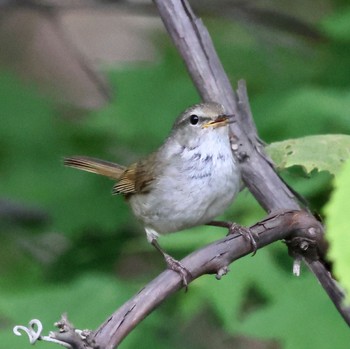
(211, 259)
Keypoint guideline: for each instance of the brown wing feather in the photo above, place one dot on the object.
(136, 178)
(126, 183)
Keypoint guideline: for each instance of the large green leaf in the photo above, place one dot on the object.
(321, 153)
(338, 226)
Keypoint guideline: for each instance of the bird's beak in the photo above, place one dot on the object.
(221, 120)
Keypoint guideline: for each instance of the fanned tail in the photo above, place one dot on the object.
(101, 167)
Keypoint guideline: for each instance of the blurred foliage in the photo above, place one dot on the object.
(88, 255)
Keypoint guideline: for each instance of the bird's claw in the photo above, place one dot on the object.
(246, 233)
(178, 267)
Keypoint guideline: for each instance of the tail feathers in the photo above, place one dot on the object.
(101, 167)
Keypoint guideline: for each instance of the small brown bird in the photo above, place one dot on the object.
(189, 180)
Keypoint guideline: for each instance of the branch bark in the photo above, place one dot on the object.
(302, 231)
(211, 259)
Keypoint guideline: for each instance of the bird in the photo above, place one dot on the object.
(188, 181)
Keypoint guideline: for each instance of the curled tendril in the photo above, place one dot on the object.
(34, 333)
(33, 330)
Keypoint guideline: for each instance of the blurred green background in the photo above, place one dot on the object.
(69, 246)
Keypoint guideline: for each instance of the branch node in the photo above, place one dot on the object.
(77, 339)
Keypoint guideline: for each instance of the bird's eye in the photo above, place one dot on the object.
(194, 119)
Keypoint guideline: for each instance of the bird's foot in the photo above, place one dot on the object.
(235, 228)
(174, 264)
(178, 267)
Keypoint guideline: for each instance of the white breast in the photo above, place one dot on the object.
(197, 184)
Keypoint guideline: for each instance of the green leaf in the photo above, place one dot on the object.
(321, 153)
(338, 226)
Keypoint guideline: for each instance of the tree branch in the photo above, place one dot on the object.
(211, 259)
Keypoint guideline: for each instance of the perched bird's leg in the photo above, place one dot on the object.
(171, 262)
(234, 228)
(174, 264)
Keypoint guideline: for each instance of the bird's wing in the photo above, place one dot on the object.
(137, 178)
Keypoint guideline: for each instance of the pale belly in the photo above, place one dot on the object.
(188, 195)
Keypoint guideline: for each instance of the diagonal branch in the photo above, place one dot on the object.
(211, 259)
